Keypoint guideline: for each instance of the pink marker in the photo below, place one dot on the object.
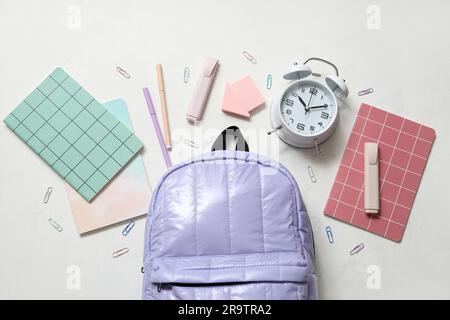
(202, 89)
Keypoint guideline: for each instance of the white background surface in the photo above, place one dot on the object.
(406, 61)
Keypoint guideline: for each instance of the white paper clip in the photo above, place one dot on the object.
(316, 145)
(269, 81)
(274, 130)
(364, 92)
(120, 252)
(47, 195)
(329, 234)
(249, 57)
(128, 228)
(191, 143)
(357, 249)
(55, 224)
(186, 74)
(123, 72)
(311, 174)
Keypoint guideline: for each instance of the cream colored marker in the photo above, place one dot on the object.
(371, 178)
(162, 96)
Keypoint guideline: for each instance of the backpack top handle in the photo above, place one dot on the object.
(235, 132)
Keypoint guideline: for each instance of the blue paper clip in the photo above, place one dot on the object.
(329, 234)
(269, 81)
(128, 228)
(186, 75)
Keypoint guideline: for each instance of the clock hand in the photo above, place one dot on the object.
(317, 107)
(309, 102)
(302, 102)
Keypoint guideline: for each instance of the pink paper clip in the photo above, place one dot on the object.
(120, 252)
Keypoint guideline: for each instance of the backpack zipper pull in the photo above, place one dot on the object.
(159, 287)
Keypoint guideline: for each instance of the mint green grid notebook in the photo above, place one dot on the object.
(73, 133)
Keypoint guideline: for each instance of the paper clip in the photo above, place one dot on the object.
(128, 228)
(123, 72)
(48, 194)
(364, 92)
(329, 234)
(191, 143)
(311, 174)
(274, 130)
(55, 224)
(186, 74)
(120, 252)
(316, 145)
(249, 57)
(357, 249)
(269, 81)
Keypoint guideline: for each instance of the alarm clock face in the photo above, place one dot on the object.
(308, 108)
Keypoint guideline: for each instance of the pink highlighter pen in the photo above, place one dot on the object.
(202, 89)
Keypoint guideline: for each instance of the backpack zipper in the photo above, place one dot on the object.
(174, 284)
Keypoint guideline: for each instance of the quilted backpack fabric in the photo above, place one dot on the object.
(228, 225)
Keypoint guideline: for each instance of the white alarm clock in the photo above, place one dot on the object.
(305, 113)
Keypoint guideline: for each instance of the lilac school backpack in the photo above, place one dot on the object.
(228, 225)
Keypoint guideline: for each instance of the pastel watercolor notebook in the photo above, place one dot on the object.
(126, 197)
(73, 133)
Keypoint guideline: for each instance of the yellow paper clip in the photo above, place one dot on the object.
(55, 224)
(269, 81)
(186, 74)
(48, 194)
(123, 72)
(249, 57)
(329, 234)
(311, 174)
(128, 228)
(357, 249)
(120, 252)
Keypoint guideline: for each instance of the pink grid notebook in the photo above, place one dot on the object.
(404, 147)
